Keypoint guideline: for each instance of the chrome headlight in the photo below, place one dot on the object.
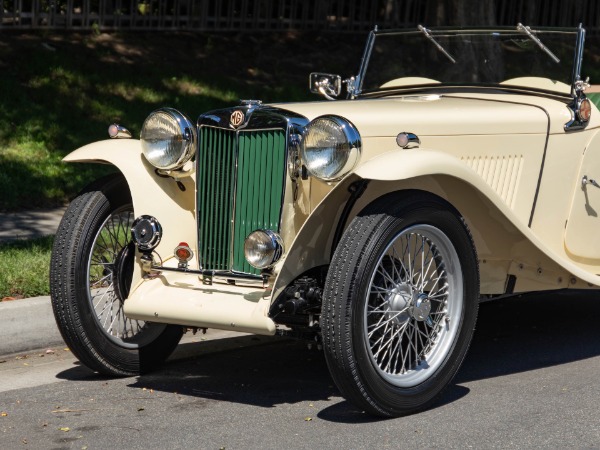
(168, 139)
(331, 147)
(263, 248)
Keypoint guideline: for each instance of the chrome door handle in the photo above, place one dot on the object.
(585, 180)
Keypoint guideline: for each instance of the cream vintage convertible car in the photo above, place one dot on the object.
(461, 165)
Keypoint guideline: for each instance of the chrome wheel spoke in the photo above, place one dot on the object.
(411, 296)
(108, 244)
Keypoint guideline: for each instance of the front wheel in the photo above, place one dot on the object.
(90, 276)
(400, 304)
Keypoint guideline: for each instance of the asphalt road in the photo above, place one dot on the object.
(529, 381)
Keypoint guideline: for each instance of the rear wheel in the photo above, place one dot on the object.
(400, 304)
(90, 276)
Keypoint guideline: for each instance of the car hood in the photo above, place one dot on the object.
(442, 115)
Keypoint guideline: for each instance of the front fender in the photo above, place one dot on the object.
(503, 241)
(403, 164)
(151, 194)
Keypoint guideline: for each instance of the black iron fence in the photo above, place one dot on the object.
(342, 15)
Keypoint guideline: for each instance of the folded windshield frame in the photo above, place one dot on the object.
(575, 72)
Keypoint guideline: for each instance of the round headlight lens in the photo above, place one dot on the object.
(168, 139)
(263, 248)
(331, 147)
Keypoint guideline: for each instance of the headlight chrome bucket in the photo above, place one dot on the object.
(331, 147)
(168, 139)
(263, 248)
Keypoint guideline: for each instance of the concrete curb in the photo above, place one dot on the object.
(27, 324)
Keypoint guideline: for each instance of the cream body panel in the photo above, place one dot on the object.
(582, 234)
(183, 299)
(157, 196)
(448, 114)
(500, 245)
(371, 147)
(151, 194)
(425, 162)
(508, 164)
(505, 167)
(430, 115)
(504, 243)
(560, 182)
(173, 297)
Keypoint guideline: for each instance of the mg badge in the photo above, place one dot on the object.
(237, 118)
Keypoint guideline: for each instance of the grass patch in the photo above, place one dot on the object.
(61, 90)
(24, 267)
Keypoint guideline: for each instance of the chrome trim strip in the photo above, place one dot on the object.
(577, 63)
(578, 85)
(358, 82)
(212, 273)
(579, 54)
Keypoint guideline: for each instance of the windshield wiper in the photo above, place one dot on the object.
(525, 29)
(425, 31)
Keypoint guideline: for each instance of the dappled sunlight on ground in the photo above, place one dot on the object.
(62, 90)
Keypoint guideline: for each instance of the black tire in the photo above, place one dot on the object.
(92, 264)
(391, 343)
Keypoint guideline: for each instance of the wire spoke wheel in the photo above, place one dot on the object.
(91, 274)
(400, 303)
(109, 274)
(414, 305)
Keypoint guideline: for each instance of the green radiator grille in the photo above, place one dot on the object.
(240, 188)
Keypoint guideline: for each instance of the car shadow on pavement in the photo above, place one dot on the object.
(531, 332)
(513, 335)
(278, 372)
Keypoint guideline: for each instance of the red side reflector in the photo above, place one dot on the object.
(585, 110)
(183, 252)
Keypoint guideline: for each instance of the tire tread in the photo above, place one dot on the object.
(337, 320)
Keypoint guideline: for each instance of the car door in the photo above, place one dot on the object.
(582, 236)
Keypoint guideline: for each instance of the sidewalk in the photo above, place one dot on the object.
(30, 224)
(29, 324)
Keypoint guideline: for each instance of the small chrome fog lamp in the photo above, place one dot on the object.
(146, 233)
(263, 248)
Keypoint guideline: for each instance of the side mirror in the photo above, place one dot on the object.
(326, 84)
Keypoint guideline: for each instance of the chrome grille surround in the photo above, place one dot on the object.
(241, 178)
